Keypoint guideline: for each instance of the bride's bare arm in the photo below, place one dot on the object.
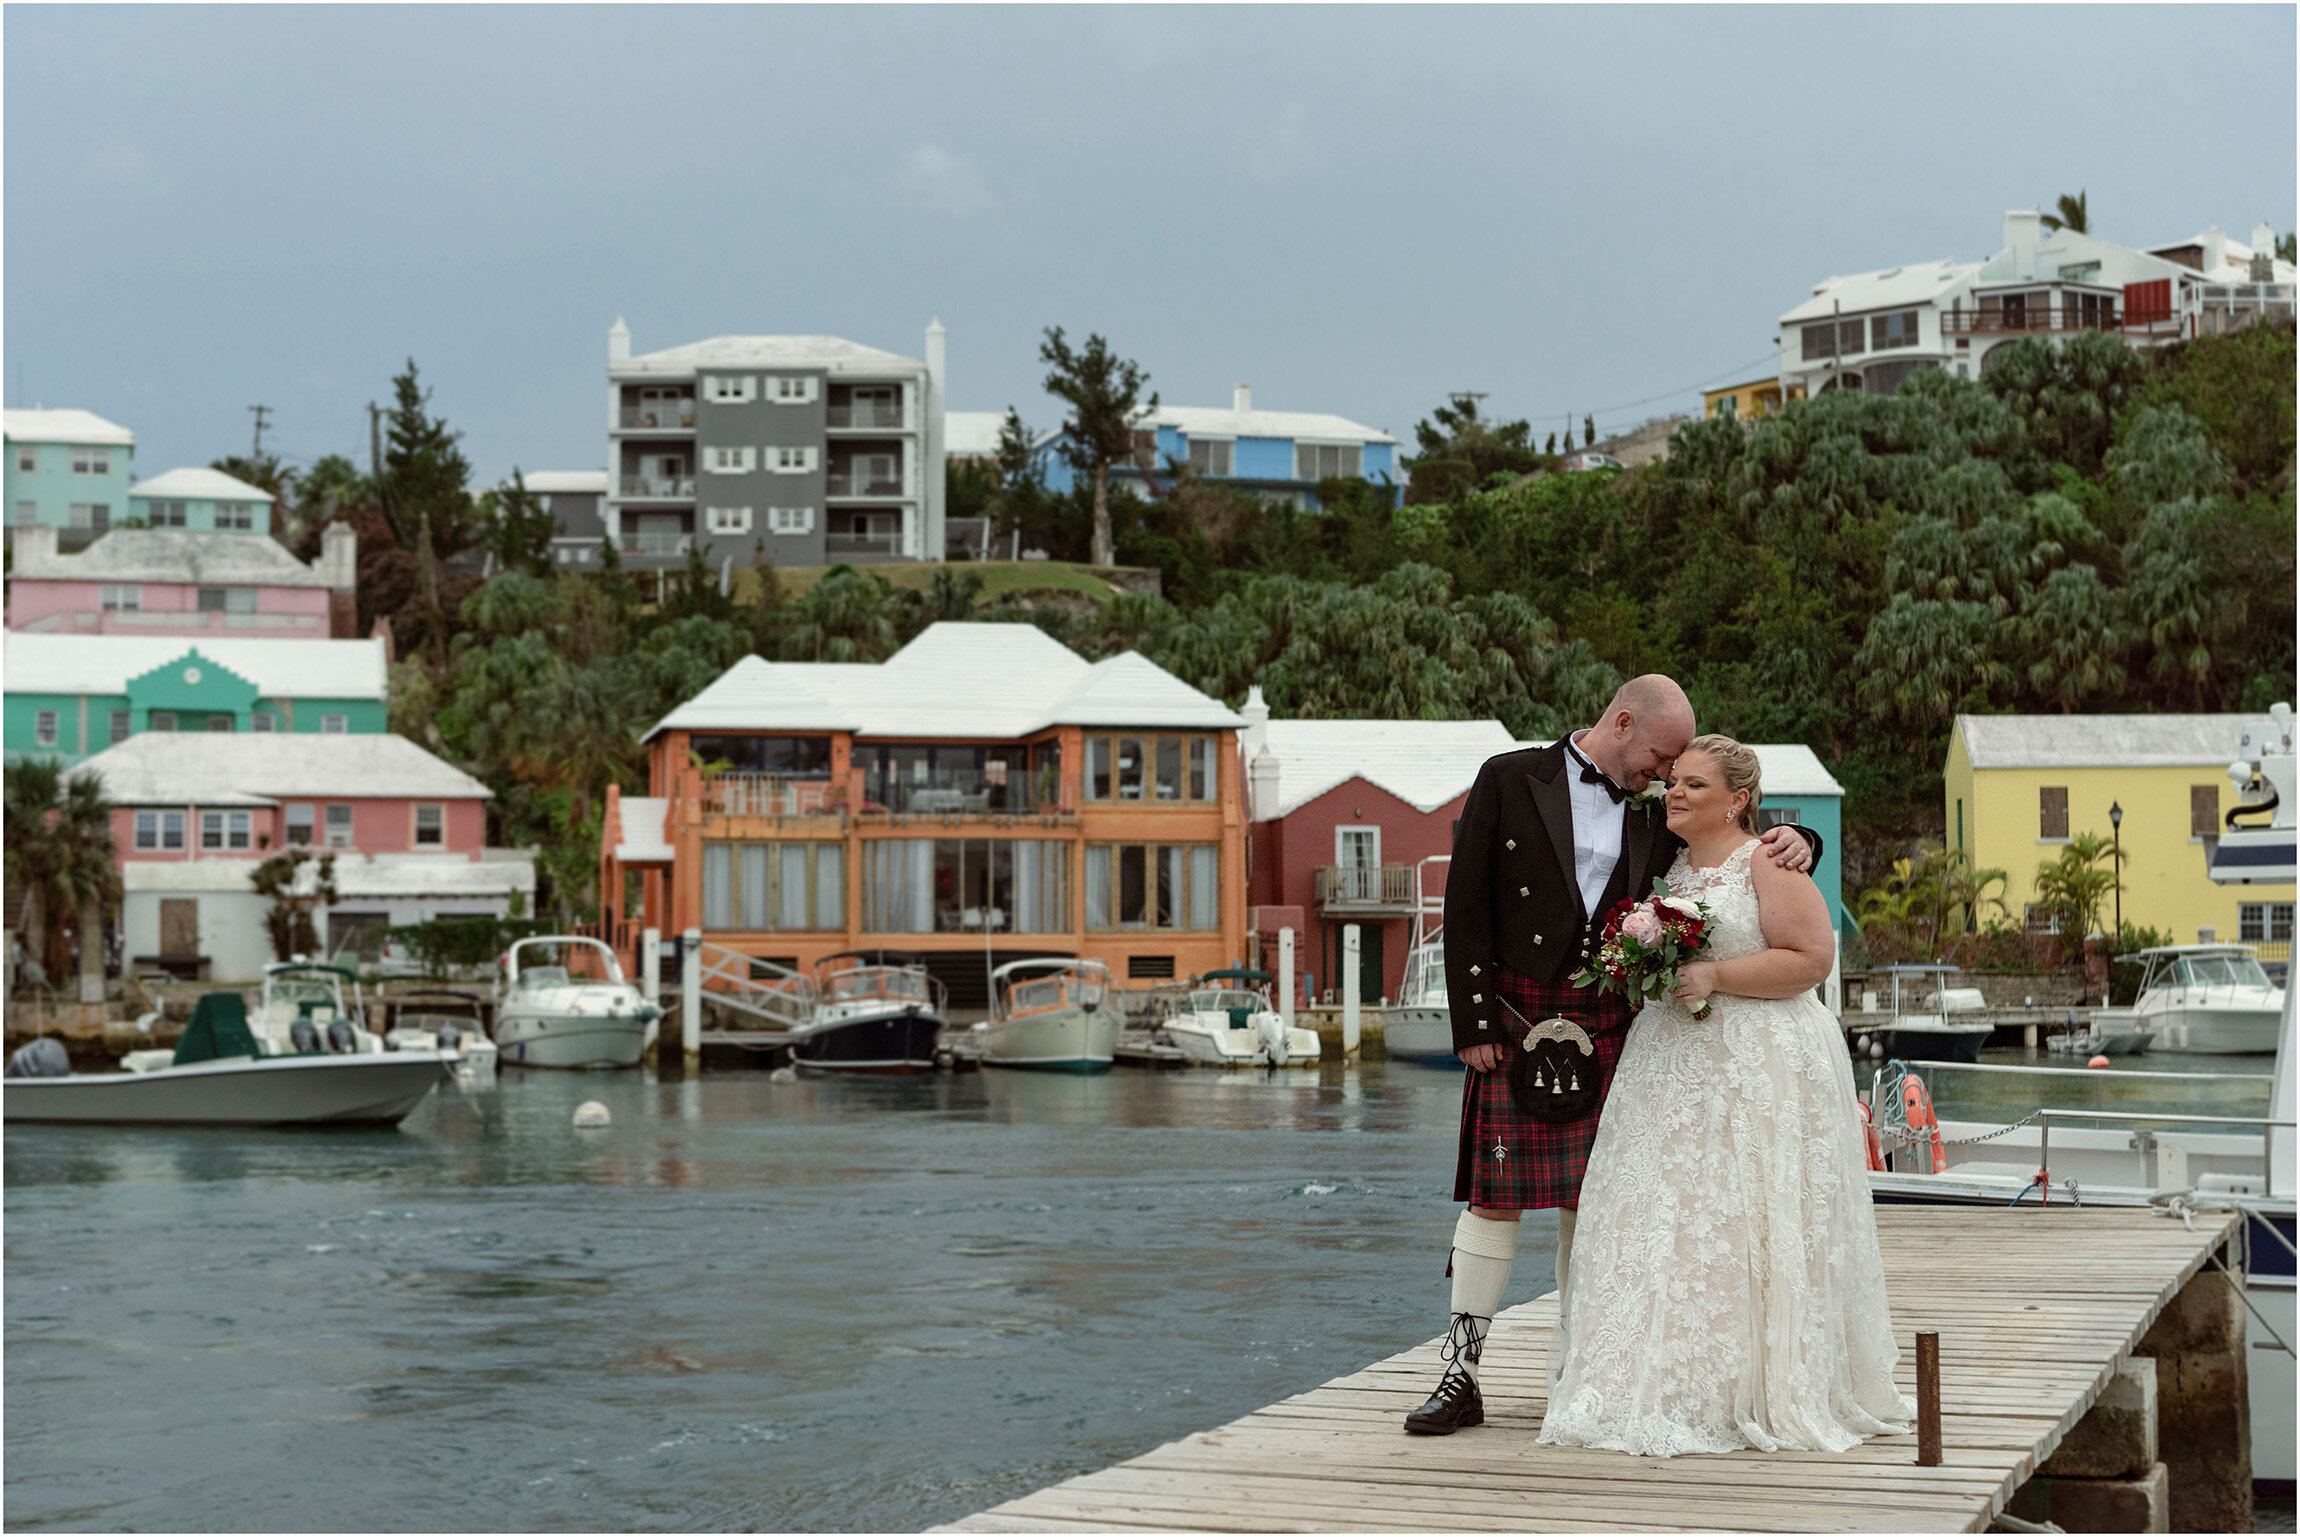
(1795, 920)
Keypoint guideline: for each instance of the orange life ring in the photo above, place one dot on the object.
(1917, 1106)
(1869, 1134)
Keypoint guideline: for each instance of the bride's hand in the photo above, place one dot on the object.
(1696, 980)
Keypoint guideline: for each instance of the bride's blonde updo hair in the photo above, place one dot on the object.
(1740, 768)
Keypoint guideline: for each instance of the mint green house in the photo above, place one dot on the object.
(71, 470)
(208, 500)
(71, 696)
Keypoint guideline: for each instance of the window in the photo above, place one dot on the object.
(2264, 923)
(2204, 811)
(87, 460)
(27, 512)
(1211, 456)
(27, 458)
(240, 515)
(966, 885)
(45, 724)
(1850, 336)
(791, 389)
(729, 389)
(1770, 817)
(159, 829)
(339, 827)
(166, 514)
(95, 515)
(791, 461)
(263, 720)
(1173, 769)
(1358, 848)
(227, 600)
(226, 829)
(163, 720)
(758, 887)
(1151, 886)
(298, 822)
(727, 520)
(790, 520)
(430, 827)
(2041, 919)
(1326, 461)
(120, 727)
(334, 725)
(725, 460)
(2052, 813)
(125, 598)
(1898, 329)
(220, 723)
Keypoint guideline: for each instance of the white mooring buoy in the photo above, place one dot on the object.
(592, 1113)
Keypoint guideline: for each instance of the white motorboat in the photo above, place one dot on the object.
(1052, 1014)
(1419, 1026)
(2210, 999)
(1217, 1026)
(224, 1073)
(1951, 1029)
(444, 1019)
(547, 1015)
(876, 1011)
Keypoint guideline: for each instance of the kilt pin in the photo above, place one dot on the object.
(1508, 1159)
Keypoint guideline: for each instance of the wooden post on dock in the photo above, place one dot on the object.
(1286, 976)
(691, 995)
(1350, 988)
(1928, 1399)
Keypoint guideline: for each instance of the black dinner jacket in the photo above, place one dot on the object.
(1511, 896)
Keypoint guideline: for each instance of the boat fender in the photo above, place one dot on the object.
(41, 1058)
(1869, 1135)
(340, 1037)
(304, 1036)
(1918, 1106)
(591, 1113)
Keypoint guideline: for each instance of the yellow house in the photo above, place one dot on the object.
(1745, 402)
(2019, 786)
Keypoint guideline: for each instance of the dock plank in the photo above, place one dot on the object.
(2027, 1343)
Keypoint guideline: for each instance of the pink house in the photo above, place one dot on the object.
(1343, 812)
(176, 581)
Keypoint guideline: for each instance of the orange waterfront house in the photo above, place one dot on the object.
(985, 789)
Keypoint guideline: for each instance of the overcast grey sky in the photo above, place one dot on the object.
(1356, 210)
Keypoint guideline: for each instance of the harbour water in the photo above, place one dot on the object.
(836, 1303)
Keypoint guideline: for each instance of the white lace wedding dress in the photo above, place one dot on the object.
(1726, 1288)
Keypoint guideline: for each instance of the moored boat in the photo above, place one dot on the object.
(1419, 1026)
(876, 1011)
(1052, 1013)
(1235, 1026)
(546, 1015)
(2209, 999)
(444, 1019)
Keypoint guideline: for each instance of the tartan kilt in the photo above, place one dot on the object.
(1542, 1164)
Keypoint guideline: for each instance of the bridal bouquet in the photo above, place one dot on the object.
(1644, 945)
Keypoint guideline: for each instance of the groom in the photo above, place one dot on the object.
(1549, 840)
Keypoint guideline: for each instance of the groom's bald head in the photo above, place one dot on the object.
(1645, 726)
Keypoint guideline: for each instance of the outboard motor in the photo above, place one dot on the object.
(42, 1058)
(304, 1035)
(340, 1038)
(448, 1038)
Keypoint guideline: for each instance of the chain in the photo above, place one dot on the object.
(1901, 1136)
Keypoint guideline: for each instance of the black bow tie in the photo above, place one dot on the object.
(1591, 776)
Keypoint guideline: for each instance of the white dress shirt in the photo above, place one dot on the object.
(1596, 829)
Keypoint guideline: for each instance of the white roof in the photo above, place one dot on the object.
(643, 819)
(1783, 768)
(981, 681)
(200, 485)
(1888, 288)
(830, 354)
(2236, 259)
(199, 768)
(64, 427)
(567, 482)
(1424, 763)
(971, 434)
(1221, 421)
(280, 669)
(174, 555)
(2102, 741)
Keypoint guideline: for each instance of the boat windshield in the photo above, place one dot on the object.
(878, 982)
(1219, 999)
(2222, 971)
(302, 993)
(543, 976)
(1425, 975)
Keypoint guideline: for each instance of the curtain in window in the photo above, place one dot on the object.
(898, 892)
(791, 887)
(718, 886)
(1098, 885)
(1203, 914)
(830, 886)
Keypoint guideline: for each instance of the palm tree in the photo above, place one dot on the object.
(2070, 217)
(59, 851)
(2073, 886)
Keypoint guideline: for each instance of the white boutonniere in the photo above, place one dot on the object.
(1650, 799)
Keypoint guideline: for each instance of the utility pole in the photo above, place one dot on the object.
(374, 443)
(261, 412)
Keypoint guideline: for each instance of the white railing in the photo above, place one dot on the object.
(656, 544)
(677, 417)
(869, 415)
(663, 486)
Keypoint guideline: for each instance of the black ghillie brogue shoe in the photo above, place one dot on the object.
(1456, 1403)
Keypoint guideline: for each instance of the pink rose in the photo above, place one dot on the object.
(1643, 927)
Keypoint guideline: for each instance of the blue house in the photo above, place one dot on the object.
(1280, 455)
(69, 470)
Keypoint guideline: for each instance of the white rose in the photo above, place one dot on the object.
(1653, 791)
(1685, 905)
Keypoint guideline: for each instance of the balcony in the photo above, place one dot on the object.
(662, 488)
(657, 543)
(1384, 891)
(955, 792)
(770, 795)
(868, 415)
(888, 545)
(678, 417)
(865, 483)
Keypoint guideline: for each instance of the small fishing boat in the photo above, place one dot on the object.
(1235, 1026)
(546, 1015)
(1419, 1026)
(225, 1073)
(876, 1011)
(2210, 999)
(1053, 1014)
(444, 1019)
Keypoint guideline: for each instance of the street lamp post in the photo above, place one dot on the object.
(2116, 862)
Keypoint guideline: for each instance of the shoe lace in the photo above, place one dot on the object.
(1464, 1342)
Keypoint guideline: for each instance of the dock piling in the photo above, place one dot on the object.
(1928, 1398)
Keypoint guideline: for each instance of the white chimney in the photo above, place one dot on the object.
(618, 342)
(339, 557)
(35, 547)
(2022, 226)
(1242, 399)
(1256, 736)
(2215, 249)
(1262, 786)
(937, 345)
(2263, 240)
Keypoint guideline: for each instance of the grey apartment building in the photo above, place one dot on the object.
(818, 449)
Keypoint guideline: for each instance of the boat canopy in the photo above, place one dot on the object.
(1242, 973)
(219, 1029)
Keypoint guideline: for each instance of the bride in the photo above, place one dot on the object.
(1726, 1290)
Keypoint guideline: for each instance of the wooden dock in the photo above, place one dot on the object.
(2034, 1310)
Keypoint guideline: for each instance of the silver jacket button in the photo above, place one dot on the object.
(1525, 891)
